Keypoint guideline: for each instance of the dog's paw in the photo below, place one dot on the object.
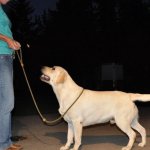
(141, 144)
(126, 148)
(64, 148)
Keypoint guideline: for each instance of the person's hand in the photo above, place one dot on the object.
(13, 44)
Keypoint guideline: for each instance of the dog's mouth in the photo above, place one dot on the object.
(45, 77)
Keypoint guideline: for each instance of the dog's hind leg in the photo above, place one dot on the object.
(135, 125)
(69, 137)
(124, 125)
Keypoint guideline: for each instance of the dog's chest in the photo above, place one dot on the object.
(61, 111)
(66, 116)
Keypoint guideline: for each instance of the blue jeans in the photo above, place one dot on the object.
(6, 99)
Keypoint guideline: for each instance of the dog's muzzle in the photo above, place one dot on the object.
(45, 77)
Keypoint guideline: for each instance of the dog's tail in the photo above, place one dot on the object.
(140, 97)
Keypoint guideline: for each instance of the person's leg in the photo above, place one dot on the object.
(6, 100)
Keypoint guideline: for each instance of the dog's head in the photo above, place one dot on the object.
(53, 75)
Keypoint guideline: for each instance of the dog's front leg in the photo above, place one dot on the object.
(69, 137)
(77, 125)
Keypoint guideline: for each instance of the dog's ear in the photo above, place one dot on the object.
(60, 78)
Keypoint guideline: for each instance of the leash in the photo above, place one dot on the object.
(33, 98)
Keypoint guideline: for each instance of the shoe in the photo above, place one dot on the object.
(15, 147)
(18, 138)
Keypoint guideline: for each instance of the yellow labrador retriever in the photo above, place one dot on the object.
(93, 107)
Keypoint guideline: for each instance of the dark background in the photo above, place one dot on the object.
(81, 36)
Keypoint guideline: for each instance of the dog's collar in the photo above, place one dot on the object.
(74, 102)
(79, 94)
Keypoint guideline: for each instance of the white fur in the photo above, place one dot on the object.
(94, 107)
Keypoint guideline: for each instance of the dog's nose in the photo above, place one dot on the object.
(43, 67)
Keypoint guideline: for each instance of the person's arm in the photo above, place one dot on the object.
(11, 42)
